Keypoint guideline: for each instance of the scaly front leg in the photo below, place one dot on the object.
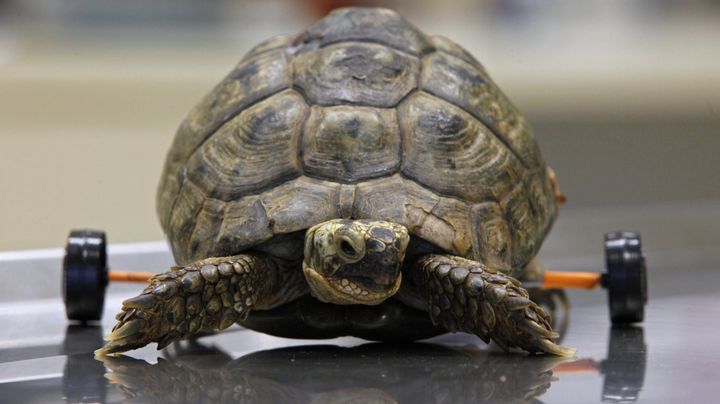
(463, 295)
(208, 295)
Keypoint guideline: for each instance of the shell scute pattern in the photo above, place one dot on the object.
(381, 26)
(253, 151)
(449, 151)
(245, 223)
(180, 227)
(360, 116)
(492, 239)
(253, 79)
(300, 204)
(469, 87)
(356, 74)
(207, 225)
(351, 143)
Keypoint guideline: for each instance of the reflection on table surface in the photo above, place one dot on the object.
(325, 373)
(373, 372)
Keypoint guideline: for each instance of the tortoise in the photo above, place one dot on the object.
(360, 178)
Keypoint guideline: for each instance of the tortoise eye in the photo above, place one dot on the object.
(347, 248)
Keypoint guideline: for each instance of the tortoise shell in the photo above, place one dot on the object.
(359, 116)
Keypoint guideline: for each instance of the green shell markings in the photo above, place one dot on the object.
(359, 178)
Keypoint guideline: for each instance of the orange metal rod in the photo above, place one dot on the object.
(130, 276)
(586, 280)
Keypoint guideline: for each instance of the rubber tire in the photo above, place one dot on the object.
(85, 275)
(626, 277)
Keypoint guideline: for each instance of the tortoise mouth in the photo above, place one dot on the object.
(351, 290)
(378, 284)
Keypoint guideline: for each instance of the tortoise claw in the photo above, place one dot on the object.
(124, 337)
(136, 327)
(530, 330)
(555, 349)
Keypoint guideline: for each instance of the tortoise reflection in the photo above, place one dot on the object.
(381, 373)
(322, 373)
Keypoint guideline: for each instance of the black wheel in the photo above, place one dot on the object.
(626, 279)
(85, 275)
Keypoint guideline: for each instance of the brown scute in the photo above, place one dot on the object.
(529, 211)
(183, 219)
(300, 204)
(492, 239)
(345, 199)
(244, 225)
(542, 198)
(375, 25)
(468, 87)
(449, 151)
(455, 214)
(254, 151)
(382, 199)
(252, 80)
(445, 222)
(349, 144)
(445, 45)
(207, 226)
(361, 116)
(356, 74)
(524, 225)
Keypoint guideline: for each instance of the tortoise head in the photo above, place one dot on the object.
(354, 261)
